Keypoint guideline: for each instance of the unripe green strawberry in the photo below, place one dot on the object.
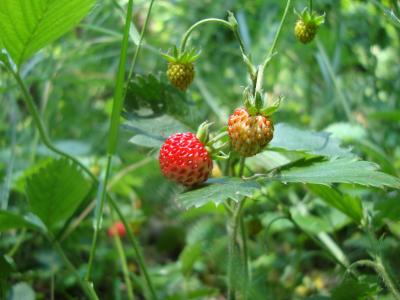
(249, 133)
(181, 68)
(181, 75)
(307, 26)
(305, 31)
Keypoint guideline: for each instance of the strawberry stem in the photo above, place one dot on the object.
(311, 7)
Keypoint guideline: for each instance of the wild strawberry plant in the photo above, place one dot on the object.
(161, 113)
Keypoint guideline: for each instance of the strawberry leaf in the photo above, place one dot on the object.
(27, 26)
(156, 110)
(342, 170)
(287, 138)
(354, 290)
(8, 221)
(56, 191)
(217, 190)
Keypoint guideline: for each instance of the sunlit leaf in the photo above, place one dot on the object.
(217, 190)
(27, 26)
(56, 191)
(319, 143)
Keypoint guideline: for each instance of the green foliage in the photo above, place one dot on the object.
(56, 191)
(353, 290)
(290, 138)
(389, 209)
(156, 110)
(26, 27)
(217, 190)
(188, 257)
(326, 172)
(350, 206)
(6, 267)
(9, 221)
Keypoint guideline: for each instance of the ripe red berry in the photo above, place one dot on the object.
(119, 226)
(184, 160)
(249, 134)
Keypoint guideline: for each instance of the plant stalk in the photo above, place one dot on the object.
(89, 292)
(211, 20)
(243, 233)
(99, 214)
(311, 7)
(122, 258)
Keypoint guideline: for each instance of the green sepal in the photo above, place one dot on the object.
(222, 156)
(259, 102)
(271, 109)
(203, 132)
(176, 53)
(232, 21)
(193, 58)
(183, 57)
(212, 149)
(249, 64)
(320, 20)
(167, 57)
(191, 53)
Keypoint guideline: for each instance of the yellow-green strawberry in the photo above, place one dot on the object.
(251, 129)
(181, 75)
(181, 68)
(307, 26)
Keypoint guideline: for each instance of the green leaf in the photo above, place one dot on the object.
(350, 206)
(346, 131)
(9, 221)
(27, 26)
(22, 290)
(353, 290)
(56, 191)
(6, 267)
(391, 115)
(320, 143)
(156, 110)
(389, 209)
(217, 190)
(188, 257)
(312, 224)
(326, 172)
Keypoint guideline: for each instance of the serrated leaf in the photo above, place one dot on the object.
(5, 266)
(389, 209)
(9, 221)
(217, 190)
(56, 191)
(27, 26)
(350, 206)
(320, 143)
(353, 290)
(156, 110)
(326, 172)
(188, 257)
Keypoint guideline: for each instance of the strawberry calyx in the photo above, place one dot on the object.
(186, 57)
(307, 18)
(214, 150)
(258, 103)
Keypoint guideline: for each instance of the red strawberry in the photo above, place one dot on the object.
(184, 160)
(120, 228)
(249, 134)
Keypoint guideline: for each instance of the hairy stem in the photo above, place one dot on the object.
(243, 233)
